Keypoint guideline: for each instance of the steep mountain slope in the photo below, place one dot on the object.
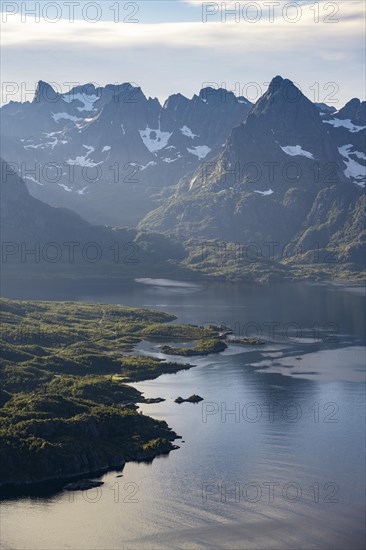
(290, 173)
(40, 239)
(111, 153)
(40, 242)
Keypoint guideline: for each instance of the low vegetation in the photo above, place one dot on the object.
(203, 347)
(66, 409)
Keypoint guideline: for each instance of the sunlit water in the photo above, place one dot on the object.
(272, 458)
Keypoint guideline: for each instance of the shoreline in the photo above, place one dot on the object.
(72, 418)
(53, 485)
(12, 280)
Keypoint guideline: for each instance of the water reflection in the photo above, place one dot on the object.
(272, 458)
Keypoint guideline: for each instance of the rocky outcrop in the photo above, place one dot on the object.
(192, 399)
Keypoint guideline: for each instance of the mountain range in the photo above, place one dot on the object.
(284, 171)
(112, 154)
(293, 173)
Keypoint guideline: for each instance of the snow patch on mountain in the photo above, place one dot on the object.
(65, 187)
(188, 132)
(53, 143)
(65, 116)
(51, 134)
(84, 160)
(354, 170)
(106, 148)
(296, 151)
(32, 179)
(45, 144)
(169, 160)
(200, 151)
(145, 166)
(34, 146)
(154, 139)
(345, 123)
(265, 193)
(87, 100)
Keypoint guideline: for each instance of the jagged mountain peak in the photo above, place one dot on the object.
(45, 93)
(128, 93)
(87, 89)
(175, 101)
(353, 103)
(283, 96)
(354, 110)
(220, 95)
(277, 82)
(283, 127)
(283, 86)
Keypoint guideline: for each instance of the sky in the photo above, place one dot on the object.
(171, 46)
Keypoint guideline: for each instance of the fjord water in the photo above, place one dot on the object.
(272, 458)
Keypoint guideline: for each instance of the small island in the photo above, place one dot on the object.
(246, 341)
(192, 399)
(203, 347)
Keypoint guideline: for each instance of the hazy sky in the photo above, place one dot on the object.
(168, 46)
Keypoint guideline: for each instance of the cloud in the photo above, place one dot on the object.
(177, 56)
(216, 35)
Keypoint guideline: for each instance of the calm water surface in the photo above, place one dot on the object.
(272, 458)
